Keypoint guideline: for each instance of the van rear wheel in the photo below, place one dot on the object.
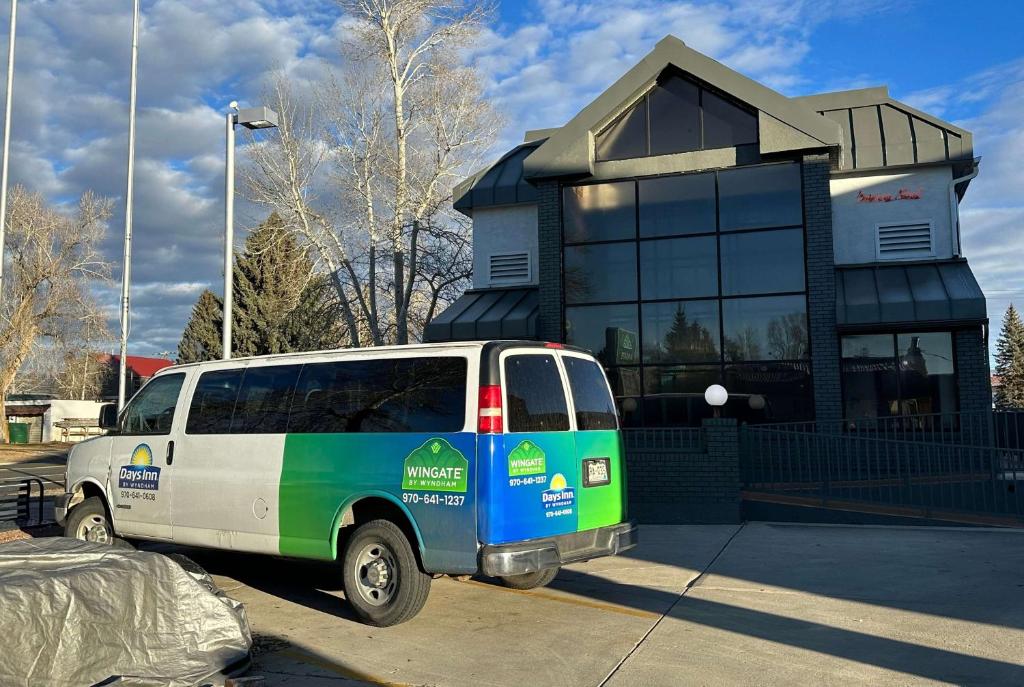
(382, 579)
(540, 578)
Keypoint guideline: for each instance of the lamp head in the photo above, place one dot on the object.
(716, 395)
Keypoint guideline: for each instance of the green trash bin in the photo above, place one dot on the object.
(19, 432)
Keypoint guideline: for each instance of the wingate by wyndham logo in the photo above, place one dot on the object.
(141, 473)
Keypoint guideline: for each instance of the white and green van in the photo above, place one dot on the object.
(502, 458)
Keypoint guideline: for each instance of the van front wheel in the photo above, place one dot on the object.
(382, 580)
(540, 578)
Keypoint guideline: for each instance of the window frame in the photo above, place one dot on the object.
(571, 399)
(197, 377)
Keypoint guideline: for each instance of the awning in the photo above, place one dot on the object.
(487, 314)
(917, 293)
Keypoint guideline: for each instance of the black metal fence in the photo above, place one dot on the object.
(965, 467)
(17, 499)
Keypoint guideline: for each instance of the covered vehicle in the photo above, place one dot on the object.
(81, 613)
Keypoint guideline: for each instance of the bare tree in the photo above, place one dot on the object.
(367, 182)
(54, 259)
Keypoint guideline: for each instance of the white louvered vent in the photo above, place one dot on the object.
(510, 268)
(905, 241)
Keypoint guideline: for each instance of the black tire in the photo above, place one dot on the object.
(540, 578)
(90, 521)
(383, 582)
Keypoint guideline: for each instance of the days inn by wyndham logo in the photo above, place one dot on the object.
(560, 497)
(141, 473)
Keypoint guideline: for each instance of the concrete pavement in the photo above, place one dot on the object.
(776, 604)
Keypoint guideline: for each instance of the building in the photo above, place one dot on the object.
(139, 370)
(692, 226)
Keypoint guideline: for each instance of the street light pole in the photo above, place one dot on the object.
(129, 198)
(252, 118)
(7, 141)
(229, 226)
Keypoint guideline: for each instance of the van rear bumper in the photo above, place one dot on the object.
(497, 560)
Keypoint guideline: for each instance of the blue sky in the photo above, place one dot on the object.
(544, 60)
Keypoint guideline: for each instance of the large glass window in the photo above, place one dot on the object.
(536, 399)
(715, 293)
(602, 272)
(678, 268)
(674, 205)
(152, 409)
(886, 375)
(677, 116)
(599, 212)
(760, 197)
(264, 400)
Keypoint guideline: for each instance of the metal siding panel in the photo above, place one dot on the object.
(860, 296)
(868, 137)
(954, 145)
(896, 300)
(931, 301)
(899, 139)
(464, 327)
(440, 328)
(842, 118)
(489, 324)
(967, 301)
(931, 144)
(521, 321)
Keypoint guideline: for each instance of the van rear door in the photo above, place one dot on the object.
(601, 497)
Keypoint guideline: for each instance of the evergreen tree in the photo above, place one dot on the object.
(1010, 362)
(278, 306)
(202, 337)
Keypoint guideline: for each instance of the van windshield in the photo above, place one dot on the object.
(594, 406)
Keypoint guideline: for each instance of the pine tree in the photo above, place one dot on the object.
(278, 306)
(1010, 362)
(202, 337)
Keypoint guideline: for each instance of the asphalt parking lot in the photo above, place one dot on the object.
(754, 604)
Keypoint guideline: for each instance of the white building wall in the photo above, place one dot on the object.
(61, 409)
(860, 203)
(503, 229)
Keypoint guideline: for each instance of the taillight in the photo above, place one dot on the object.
(490, 410)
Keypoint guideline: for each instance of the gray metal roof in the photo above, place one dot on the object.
(500, 184)
(487, 314)
(879, 131)
(911, 293)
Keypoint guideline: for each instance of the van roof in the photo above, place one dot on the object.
(452, 345)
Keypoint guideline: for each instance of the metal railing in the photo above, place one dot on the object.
(937, 466)
(664, 440)
(16, 500)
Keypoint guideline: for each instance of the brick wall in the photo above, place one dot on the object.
(821, 288)
(549, 230)
(974, 378)
(672, 486)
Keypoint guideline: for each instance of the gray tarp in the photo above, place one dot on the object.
(76, 613)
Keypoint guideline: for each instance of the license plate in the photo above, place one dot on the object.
(596, 472)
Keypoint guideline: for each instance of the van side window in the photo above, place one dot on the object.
(152, 409)
(213, 402)
(383, 395)
(594, 406)
(264, 399)
(536, 399)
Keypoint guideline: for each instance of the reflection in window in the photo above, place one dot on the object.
(679, 268)
(151, 411)
(886, 375)
(763, 262)
(604, 272)
(674, 395)
(610, 332)
(675, 117)
(760, 197)
(769, 392)
(681, 332)
(674, 205)
(536, 399)
(765, 328)
(599, 212)
(627, 135)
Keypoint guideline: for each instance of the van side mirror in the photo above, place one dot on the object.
(108, 416)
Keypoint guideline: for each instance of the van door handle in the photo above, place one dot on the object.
(170, 452)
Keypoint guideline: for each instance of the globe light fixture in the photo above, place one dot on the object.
(716, 397)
